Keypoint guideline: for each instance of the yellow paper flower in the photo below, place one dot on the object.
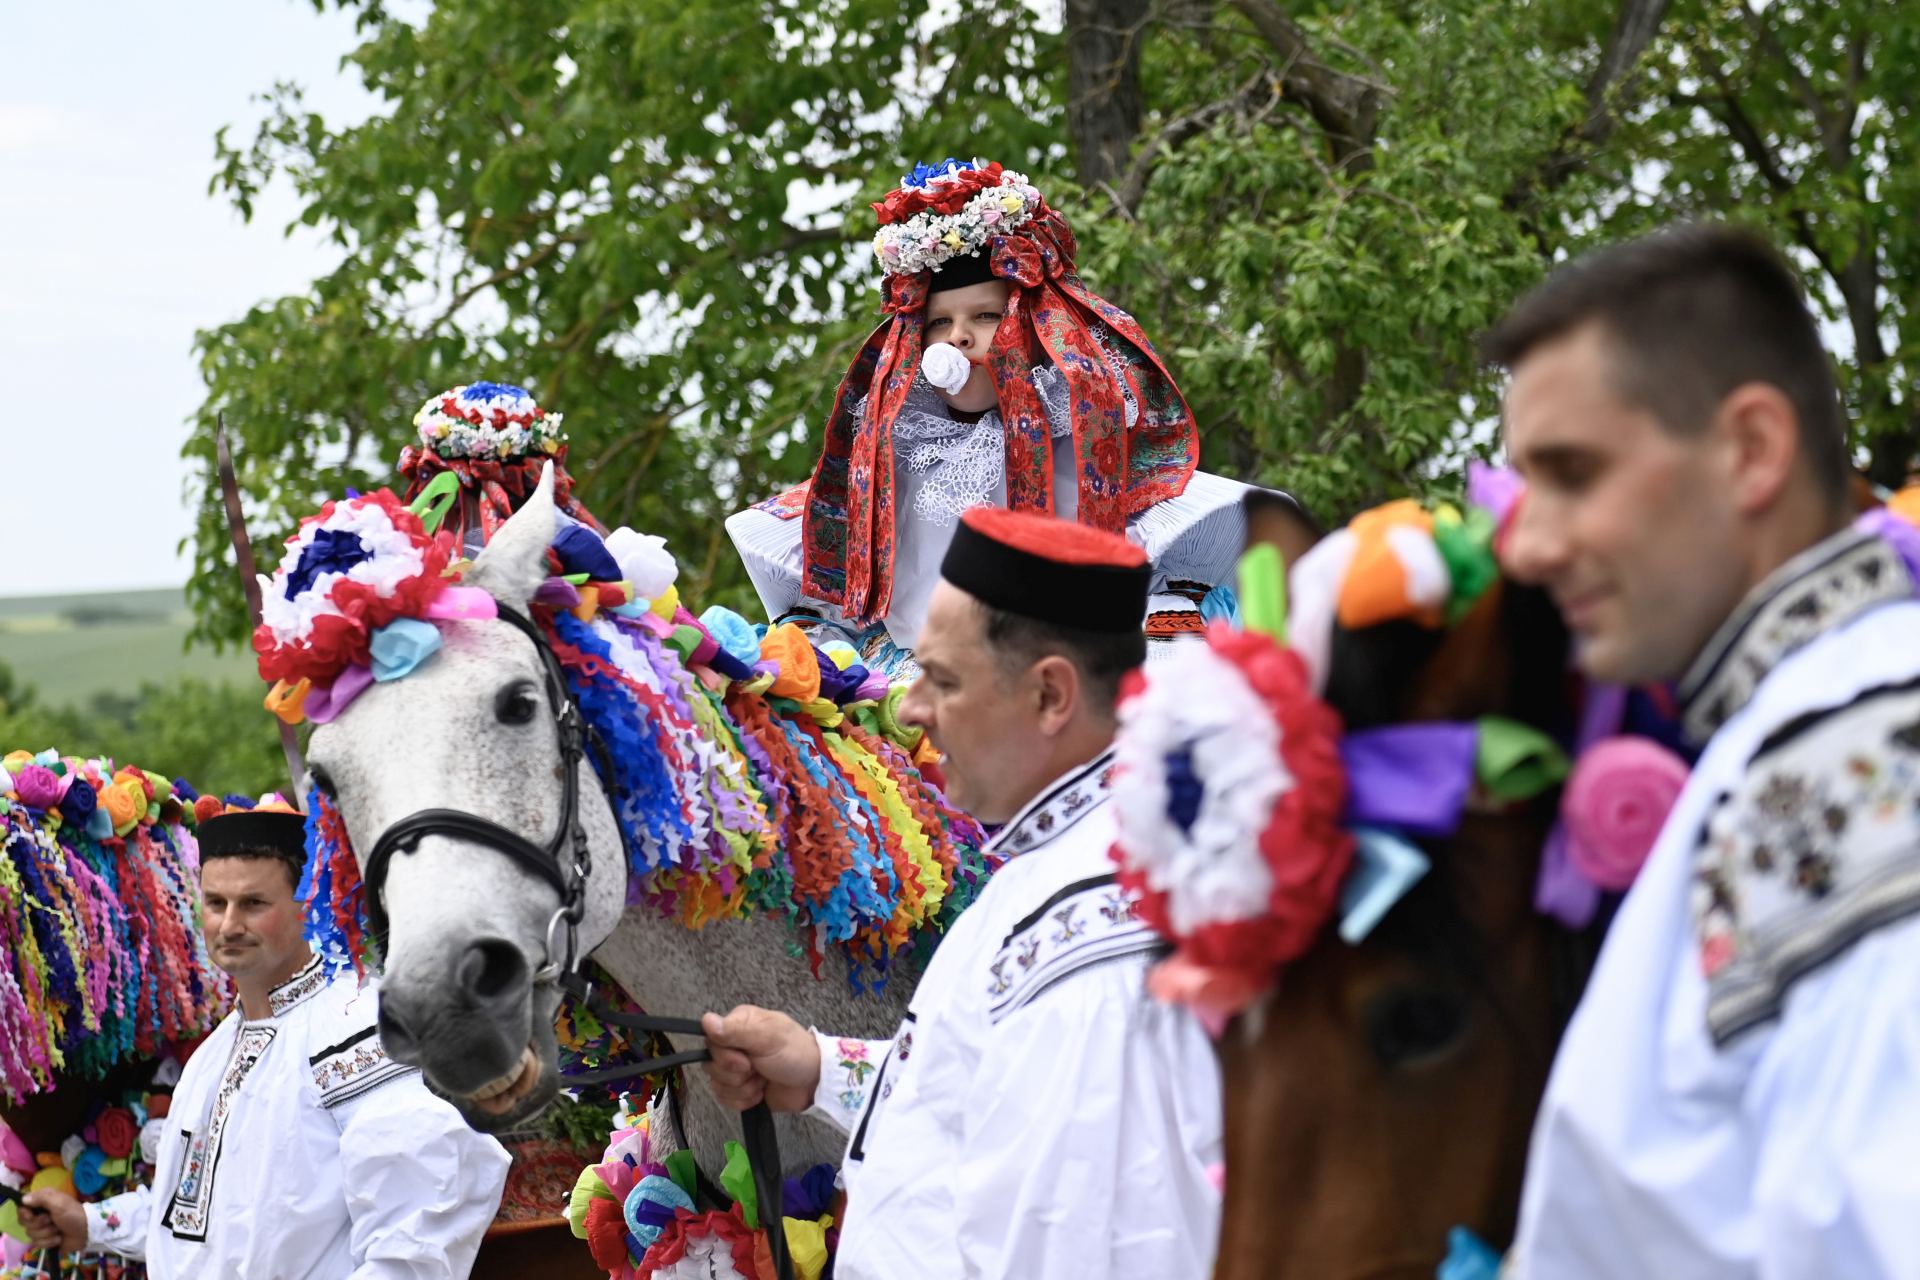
(952, 240)
(1010, 204)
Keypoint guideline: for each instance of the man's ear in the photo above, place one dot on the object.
(1058, 690)
(1761, 431)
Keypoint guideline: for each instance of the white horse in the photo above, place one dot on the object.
(471, 729)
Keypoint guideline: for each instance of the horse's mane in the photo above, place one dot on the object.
(732, 801)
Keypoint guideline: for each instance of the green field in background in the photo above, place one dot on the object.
(135, 637)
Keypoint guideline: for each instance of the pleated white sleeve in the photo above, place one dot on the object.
(1088, 1135)
(421, 1186)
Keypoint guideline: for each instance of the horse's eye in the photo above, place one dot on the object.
(516, 704)
(322, 780)
(1409, 1028)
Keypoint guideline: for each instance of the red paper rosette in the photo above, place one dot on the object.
(1230, 811)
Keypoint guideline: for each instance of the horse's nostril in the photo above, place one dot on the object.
(398, 1042)
(493, 970)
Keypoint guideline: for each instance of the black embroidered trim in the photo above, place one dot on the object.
(1807, 721)
(346, 1044)
(1033, 917)
(1038, 823)
(392, 1071)
(1825, 587)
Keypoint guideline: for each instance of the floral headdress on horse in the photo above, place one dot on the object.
(957, 217)
(1252, 818)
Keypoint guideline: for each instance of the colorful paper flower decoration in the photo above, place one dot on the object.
(951, 210)
(350, 570)
(487, 420)
(1229, 813)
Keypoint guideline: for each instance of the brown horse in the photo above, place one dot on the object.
(1384, 1093)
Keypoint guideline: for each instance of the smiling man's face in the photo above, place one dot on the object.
(1627, 524)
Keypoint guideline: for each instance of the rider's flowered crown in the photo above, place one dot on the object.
(491, 420)
(949, 210)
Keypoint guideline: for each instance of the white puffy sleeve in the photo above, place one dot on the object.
(847, 1071)
(1089, 1132)
(118, 1224)
(1835, 1100)
(421, 1186)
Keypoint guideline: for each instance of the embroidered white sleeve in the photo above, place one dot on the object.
(353, 1066)
(118, 1224)
(847, 1071)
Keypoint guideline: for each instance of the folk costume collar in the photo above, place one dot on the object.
(1823, 588)
(301, 987)
(1056, 810)
(1051, 318)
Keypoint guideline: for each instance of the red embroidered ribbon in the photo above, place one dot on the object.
(1051, 317)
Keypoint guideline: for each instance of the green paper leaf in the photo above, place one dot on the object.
(1263, 592)
(684, 1172)
(737, 1181)
(1515, 762)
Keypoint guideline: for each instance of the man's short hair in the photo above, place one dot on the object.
(1101, 657)
(1690, 313)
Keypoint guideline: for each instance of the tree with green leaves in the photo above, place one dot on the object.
(653, 215)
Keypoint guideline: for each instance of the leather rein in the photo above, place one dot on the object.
(565, 863)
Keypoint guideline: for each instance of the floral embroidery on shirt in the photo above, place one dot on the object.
(853, 1057)
(1055, 812)
(1818, 846)
(187, 1212)
(1058, 941)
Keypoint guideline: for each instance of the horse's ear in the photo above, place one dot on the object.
(513, 565)
(1279, 519)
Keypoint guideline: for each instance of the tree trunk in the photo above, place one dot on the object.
(1103, 77)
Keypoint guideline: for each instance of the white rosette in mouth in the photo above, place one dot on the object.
(946, 368)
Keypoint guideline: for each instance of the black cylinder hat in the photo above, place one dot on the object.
(278, 832)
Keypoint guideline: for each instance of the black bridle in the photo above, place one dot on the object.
(565, 863)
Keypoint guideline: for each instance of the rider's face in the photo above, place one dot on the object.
(252, 918)
(968, 318)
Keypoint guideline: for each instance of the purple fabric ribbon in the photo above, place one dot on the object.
(1410, 777)
(1897, 533)
(1561, 891)
(326, 702)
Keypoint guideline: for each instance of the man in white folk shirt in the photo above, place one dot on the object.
(1738, 1095)
(1037, 1114)
(294, 1148)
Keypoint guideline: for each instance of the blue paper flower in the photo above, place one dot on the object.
(923, 174)
(494, 391)
(331, 551)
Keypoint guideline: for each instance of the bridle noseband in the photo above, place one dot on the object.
(566, 863)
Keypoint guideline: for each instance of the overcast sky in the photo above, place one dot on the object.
(112, 253)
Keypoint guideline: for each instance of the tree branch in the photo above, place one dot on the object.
(1347, 107)
(1133, 187)
(1635, 24)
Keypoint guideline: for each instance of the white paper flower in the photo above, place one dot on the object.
(1198, 704)
(644, 561)
(946, 368)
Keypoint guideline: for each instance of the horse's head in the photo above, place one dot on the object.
(1383, 1093)
(473, 729)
